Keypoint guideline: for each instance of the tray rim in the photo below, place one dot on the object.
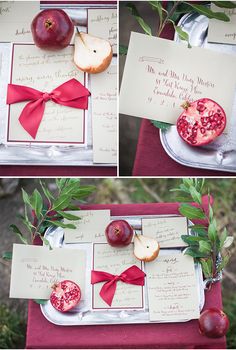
(13, 157)
(198, 272)
(163, 133)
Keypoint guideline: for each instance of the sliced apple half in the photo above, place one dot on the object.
(145, 248)
(92, 54)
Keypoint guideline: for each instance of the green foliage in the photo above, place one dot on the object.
(123, 50)
(139, 19)
(229, 302)
(161, 125)
(41, 301)
(173, 11)
(12, 329)
(225, 4)
(48, 210)
(207, 244)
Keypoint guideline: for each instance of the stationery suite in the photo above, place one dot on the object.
(35, 269)
(15, 20)
(46, 71)
(103, 23)
(167, 231)
(220, 31)
(115, 261)
(172, 288)
(104, 115)
(90, 228)
(160, 75)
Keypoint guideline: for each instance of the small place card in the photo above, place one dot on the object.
(15, 20)
(103, 24)
(160, 75)
(115, 261)
(167, 230)
(220, 31)
(45, 71)
(172, 288)
(91, 227)
(35, 269)
(104, 115)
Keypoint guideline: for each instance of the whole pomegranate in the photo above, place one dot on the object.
(52, 29)
(65, 295)
(201, 122)
(119, 233)
(213, 323)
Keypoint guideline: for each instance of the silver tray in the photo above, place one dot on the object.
(221, 154)
(35, 154)
(84, 315)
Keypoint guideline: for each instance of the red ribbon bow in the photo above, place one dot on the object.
(72, 94)
(133, 275)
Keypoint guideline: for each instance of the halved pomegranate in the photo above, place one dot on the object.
(201, 122)
(65, 295)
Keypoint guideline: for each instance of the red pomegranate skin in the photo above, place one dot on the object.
(65, 295)
(52, 29)
(119, 233)
(213, 323)
(201, 122)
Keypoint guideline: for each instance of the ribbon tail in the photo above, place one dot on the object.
(31, 116)
(107, 292)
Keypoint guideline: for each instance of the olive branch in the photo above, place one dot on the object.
(208, 246)
(43, 209)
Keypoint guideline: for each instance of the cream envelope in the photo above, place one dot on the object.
(35, 269)
(103, 24)
(115, 261)
(15, 20)
(91, 227)
(104, 115)
(160, 75)
(172, 288)
(167, 231)
(45, 71)
(220, 31)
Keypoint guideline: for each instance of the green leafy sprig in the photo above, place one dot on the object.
(43, 209)
(208, 246)
(169, 15)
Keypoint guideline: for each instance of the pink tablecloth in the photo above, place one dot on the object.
(43, 334)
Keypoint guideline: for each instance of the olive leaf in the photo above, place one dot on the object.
(209, 244)
(191, 212)
(160, 125)
(40, 301)
(203, 10)
(49, 209)
(225, 4)
(68, 216)
(207, 267)
(61, 224)
(182, 35)
(139, 19)
(19, 234)
(7, 255)
(123, 50)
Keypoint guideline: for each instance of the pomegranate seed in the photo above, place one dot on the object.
(65, 295)
(204, 115)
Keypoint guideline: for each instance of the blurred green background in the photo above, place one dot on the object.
(13, 312)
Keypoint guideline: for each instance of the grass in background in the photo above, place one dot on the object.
(13, 323)
(12, 329)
